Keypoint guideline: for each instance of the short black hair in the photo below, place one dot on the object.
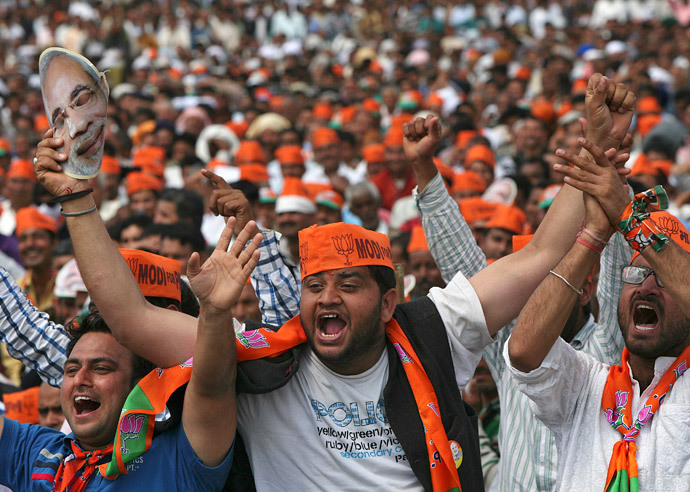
(94, 323)
(186, 234)
(189, 205)
(383, 276)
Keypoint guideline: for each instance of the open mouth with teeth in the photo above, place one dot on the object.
(645, 317)
(330, 325)
(84, 405)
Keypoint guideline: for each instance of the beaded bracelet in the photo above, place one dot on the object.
(72, 196)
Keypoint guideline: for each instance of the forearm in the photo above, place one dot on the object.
(449, 237)
(425, 171)
(156, 334)
(542, 320)
(29, 334)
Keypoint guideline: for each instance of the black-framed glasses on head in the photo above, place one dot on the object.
(635, 275)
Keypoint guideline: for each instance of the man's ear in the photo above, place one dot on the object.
(103, 84)
(388, 302)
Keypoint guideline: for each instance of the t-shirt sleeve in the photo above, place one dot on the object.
(192, 473)
(465, 325)
(554, 388)
(20, 446)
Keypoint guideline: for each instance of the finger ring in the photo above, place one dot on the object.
(35, 160)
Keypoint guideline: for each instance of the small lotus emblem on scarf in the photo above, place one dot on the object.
(344, 246)
(130, 426)
(252, 339)
(680, 370)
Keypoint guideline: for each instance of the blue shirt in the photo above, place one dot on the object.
(30, 456)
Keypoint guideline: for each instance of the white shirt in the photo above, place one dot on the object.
(565, 393)
(326, 431)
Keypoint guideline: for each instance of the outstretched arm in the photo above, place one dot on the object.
(167, 336)
(504, 287)
(672, 263)
(209, 416)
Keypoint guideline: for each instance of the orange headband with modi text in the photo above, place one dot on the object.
(157, 276)
(340, 245)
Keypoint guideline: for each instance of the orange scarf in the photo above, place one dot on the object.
(617, 405)
(68, 476)
(261, 343)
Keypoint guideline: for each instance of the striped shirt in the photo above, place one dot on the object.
(29, 334)
(528, 451)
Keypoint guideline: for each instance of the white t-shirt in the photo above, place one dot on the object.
(326, 431)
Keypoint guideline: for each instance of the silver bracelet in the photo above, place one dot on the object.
(578, 292)
(77, 214)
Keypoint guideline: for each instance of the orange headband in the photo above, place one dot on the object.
(31, 218)
(340, 245)
(672, 227)
(21, 168)
(157, 276)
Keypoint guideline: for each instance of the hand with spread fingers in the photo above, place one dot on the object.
(609, 108)
(49, 171)
(218, 283)
(228, 202)
(600, 178)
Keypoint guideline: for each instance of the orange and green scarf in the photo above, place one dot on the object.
(617, 405)
(75, 471)
(260, 343)
(135, 428)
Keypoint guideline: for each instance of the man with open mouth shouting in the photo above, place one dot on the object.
(625, 426)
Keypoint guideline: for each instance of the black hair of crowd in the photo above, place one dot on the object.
(94, 323)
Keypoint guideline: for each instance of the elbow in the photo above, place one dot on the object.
(521, 357)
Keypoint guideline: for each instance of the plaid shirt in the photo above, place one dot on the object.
(528, 451)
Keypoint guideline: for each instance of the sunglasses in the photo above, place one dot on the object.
(635, 275)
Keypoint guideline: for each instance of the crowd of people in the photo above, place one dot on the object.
(391, 183)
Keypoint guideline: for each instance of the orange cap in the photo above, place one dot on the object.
(138, 181)
(41, 123)
(330, 198)
(508, 217)
(647, 105)
(543, 110)
(434, 100)
(148, 153)
(463, 138)
(256, 173)
(145, 128)
(239, 128)
(31, 218)
(579, 86)
(110, 165)
(663, 165)
(21, 168)
(325, 136)
(642, 166)
(523, 73)
(295, 198)
(475, 209)
(646, 122)
(400, 119)
(157, 276)
(480, 153)
(371, 105)
(322, 111)
(347, 114)
(520, 240)
(374, 153)
(468, 181)
(314, 189)
(394, 137)
(249, 152)
(289, 154)
(340, 245)
(417, 240)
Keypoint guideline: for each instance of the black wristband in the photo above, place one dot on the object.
(72, 196)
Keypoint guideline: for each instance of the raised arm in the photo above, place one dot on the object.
(209, 415)
(504, 287)
(162, 336)
(29, 334)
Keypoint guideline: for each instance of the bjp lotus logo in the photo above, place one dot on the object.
(130, 426)
(668, 225)
(253, 339)
(344, 246)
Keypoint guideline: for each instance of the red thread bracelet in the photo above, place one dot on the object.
(591, 246)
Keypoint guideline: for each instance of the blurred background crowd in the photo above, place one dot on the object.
(300, 104)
